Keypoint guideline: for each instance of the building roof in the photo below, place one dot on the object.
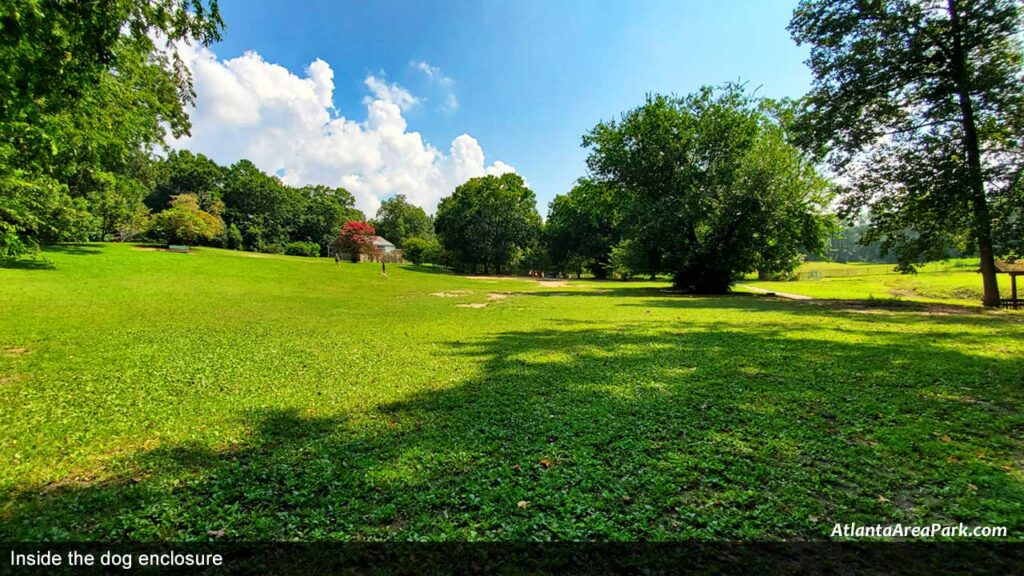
(1010, 268)
(381, 241)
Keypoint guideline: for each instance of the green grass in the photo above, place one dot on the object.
(872, 268)
(942, 287)
(149, 395)
(953, 285)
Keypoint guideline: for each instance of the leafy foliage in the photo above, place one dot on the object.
(714, 189)
(397, 220)
(583, 226)
(85, 94)
(491, 223)
(310, 249)
(183, 172)
(186, 223)
(919, 105)
(630, 258)
(322, 212)
(232, 238)
(265, 212)
(355, 239)
(260, 205)
(423, 250)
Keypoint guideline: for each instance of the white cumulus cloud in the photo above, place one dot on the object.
(285, 123)
(390, 93)
(432, 72)
(449, 102)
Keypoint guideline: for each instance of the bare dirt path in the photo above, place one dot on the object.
(773, 293)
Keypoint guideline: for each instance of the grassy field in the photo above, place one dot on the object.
(149, 395)
(952, 282)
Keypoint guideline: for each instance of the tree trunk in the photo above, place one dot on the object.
(982, 216)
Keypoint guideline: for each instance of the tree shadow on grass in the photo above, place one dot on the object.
(998, 322)
(26, 264)
(426, 269)
(894, 311)
(75, 249)
(40, 262)
(594, 434)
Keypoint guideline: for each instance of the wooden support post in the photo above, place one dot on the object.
(1013, 290)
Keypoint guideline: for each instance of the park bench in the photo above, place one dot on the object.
(177, 248)
(1013, 269)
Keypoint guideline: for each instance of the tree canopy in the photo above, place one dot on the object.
(355, 239)
(186, 223)
(85, 93)
(489, 222)
(919, 106)
(183, 172)
(583, 226)
(397, 220)
(714, 189)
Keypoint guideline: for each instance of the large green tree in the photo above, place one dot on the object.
(397, 220)
(85, 94)
(489, 222)
(919, 105)
(183, 172)
(322, 212)
(715, 189)
(584, 225)
(185, 222)
(263, 209)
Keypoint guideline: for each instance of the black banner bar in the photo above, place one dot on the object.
(897, 558)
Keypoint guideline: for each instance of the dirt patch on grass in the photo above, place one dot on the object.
(14, 351)
(902, 293)
(451, 293)
(494, 278)
(159, 249)
(473, 305)
(4, 380)
(498, 295)
(785, 295)
(545, 282)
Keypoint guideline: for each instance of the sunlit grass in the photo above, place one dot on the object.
(946, 286)
(149, 395)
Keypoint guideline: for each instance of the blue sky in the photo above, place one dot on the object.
(529, 77)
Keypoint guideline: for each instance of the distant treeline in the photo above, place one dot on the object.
(246, 208)
(852, 243)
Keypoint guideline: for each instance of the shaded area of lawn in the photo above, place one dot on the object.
(40, 261)
(644, 430)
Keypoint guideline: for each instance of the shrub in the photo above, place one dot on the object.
(310, 249)
(233, 238)
(185, 223)
(422, 250)
(629, 259)
(271, 248)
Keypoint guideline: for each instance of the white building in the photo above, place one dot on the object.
(381, 245)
